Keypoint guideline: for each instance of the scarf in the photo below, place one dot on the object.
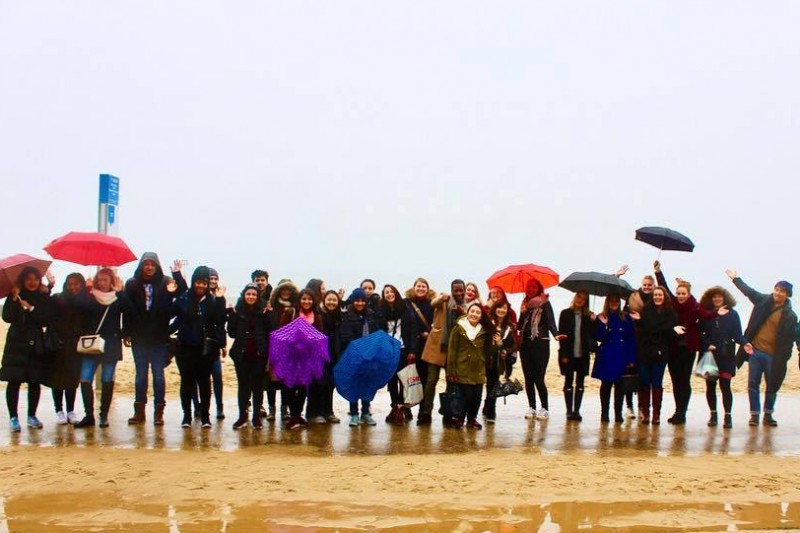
(308, 316)
(104, 298)
(450, 319)
(471, 331)
(537, 304)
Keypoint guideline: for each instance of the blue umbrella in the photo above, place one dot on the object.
(366, 366)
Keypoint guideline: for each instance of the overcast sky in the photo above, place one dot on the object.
(350, 139)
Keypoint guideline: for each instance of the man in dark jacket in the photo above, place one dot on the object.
(151, 294)
(771, 332)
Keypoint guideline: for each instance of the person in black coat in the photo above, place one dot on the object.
(29, 311)
(248, 326)
(401, 325)
(282, 309)
(320, 396)
(151, 295)
(201, 335)
(65, 369)
(537, 322)
(576, 342)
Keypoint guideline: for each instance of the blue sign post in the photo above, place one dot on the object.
(108, 207)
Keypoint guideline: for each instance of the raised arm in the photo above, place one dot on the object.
(752, 294)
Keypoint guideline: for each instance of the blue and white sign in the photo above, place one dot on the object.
(108, 207)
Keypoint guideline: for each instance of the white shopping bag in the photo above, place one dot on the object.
(412, 385)
(707, 367)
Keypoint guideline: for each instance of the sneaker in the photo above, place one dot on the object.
(367, 419)
(61, 418)
(14, 425)
(542, 414)
(293, 423)
(474, 424)
(531, 414)
(319, 420)
(206, 424)
(72, 418)
(187, 421)
(270, 416)
(87, 422)
(285, 413)
(303, 422)
(629, 414)
(240, 423)
(333, 419)
(490, 421)
(34, 422)
(103, 421)
(257, 423)
(220, 414)
(354, 421)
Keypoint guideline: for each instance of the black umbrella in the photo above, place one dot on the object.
(665, 239)
(597, 284)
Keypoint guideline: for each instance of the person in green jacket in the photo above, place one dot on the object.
(468, 349)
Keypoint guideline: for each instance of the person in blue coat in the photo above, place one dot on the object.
(616, 355)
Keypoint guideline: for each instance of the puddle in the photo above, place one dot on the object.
(110, 512)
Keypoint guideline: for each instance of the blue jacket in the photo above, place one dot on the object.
(617, 349)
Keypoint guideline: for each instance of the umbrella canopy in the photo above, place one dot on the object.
(298, 353)
(92, 248)
(513, 279)
(366, 365)
(664, 239)
(597, 284)
(11, 267)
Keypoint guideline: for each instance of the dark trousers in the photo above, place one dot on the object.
(195, 371)
(12, 397)
(216, 386)
(490, 405)
(58, 399)
(605, 400)
(272, 393)
(471, 401)
(395, 387)
(249, 384)
(727, 395)
(320, 400)
(680, 372)
(297, 399)
(535, 356)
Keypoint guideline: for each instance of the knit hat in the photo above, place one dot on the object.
(201, 273)
(212, 273)
(785, 285)
(358, 294)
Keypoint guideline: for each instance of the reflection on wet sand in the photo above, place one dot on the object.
(80, 512)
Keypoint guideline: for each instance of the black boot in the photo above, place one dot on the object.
(106, 394)
(727, 421)
(568, 402)
(88, 404)
(712, 420)
(576, 406)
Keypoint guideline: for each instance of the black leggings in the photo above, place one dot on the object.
(535, 356)
(320, 400)
(727, 396)
(12, 397)
(58, 399)
(680, 372)
(250, 383)
(471, 395)
(605, 398)
(574, 378)
(394, 386)
(297, 399)
(195, 370)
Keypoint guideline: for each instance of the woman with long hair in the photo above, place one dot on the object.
(616, 355)
(308, 310)
(498, 296)
(420, 300)
(720, 335)
(320, 401)
(400, 324)
(29, 311)
(472, 295)
(282, 310)
(504, 339)
(104, 307)
(576, 342)
(537, 322)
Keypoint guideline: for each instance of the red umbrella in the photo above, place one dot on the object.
(93, 248)
(10, 268)
(513, 279)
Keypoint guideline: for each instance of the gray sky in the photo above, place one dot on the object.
(391, 140)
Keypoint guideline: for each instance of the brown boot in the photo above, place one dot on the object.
(644, 405)
(158, 414)
(658, 395)
(138, 414)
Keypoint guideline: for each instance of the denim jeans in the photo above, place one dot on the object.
(153, 358)
(652, 375)
(760, 365)
(364, 408)
(89, 366)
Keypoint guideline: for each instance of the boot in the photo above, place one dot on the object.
(106, 394)
(727, 421)
(604, 401)
(138, 414)
(619, 399)
(158, 414)
(658, 395)
(769, 421)
(644, 405)
(568, 401)
(712, 421)
(88, 405)
(576, 406)
(753, 420)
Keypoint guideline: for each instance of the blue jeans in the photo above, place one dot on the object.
(152, 358)
(364, 408)
(89, 366)
(760, 365)
(652, 375)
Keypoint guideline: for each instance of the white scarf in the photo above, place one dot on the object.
(471, 331)
(104, 298)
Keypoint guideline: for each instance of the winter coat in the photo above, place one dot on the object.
(762, 309)
(567, 360)
(111, 331)
(20, 361)
(149, 327)
(508, 345)
(466, 359)
(248, 325)
(198, 322)
(723, 332)
(547, 323)
(690, 313)
(405, 326)
(423, 328)
(64, 371)
(657, 334)
(352, 327)
(617, 348)
(444, 312)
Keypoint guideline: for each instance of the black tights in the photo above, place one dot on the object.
(12, 397)
(727, 396)
(535, 356)
(58, 399)
(574, 378)
(195, 370)
(605, 399)
(297, 399)
(250, 384)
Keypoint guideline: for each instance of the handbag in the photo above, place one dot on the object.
(706, 367)
(210, 347)
(93, 344)
(451, 404)
(412, 385)
(47, 341)
(628, 383)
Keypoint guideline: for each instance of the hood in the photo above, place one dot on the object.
(410, 294)
(149, 256)
(285, 283)
(705, 300)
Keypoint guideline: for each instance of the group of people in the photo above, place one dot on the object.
(164, 318)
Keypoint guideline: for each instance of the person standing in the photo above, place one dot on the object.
(218, 291)
(29, 311)
(308, 310)
(505, 343)
(536, 323)
(151, 295)
(400, 324)
(771, 334)
(321, 397)
(282, 309)
(576, 342)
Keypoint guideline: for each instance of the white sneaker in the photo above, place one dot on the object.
(542, 414)
(61, 418)
(72, 418)
(629, 414)
(320, 420)
(531, 414)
